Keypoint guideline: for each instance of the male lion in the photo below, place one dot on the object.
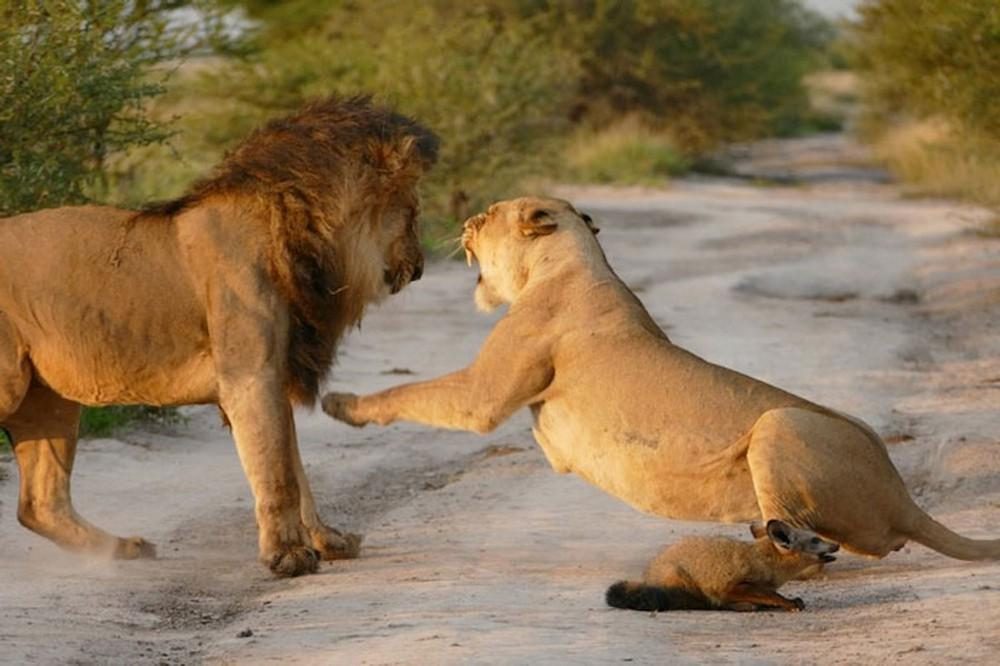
(236, 294)
(616, 402)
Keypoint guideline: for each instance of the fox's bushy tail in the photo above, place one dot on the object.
(642, 597)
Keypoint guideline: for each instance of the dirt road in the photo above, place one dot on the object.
(830, 285)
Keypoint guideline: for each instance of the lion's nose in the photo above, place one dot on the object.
(418, 271)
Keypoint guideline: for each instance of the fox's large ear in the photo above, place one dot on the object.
(780, 533)
(536, 222)
(590, 223)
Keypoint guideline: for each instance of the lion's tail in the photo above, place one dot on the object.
(934, 535)
(642, 597)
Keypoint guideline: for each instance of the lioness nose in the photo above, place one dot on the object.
(418, 271)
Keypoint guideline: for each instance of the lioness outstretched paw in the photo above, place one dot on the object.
(333, 544)
(343, 407)
(295, 561)
(134, 548)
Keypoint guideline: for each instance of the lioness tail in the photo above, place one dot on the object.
(639, 596)
(934, 535)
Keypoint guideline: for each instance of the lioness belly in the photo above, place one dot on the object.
(645, 469)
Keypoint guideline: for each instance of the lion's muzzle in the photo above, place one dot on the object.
(404, 275)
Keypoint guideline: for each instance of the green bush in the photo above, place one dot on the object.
(73, 81)
(932, 59)
(930, 76)
(711, 70)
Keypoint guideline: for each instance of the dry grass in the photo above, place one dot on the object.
(628, 152)
(936, 161)
(833, 94)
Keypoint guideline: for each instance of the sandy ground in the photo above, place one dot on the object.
(835, 287)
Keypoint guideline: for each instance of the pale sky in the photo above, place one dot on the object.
(832, 8)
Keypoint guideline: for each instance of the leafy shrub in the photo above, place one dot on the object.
(932, 58)
(711, 70)
(931, 81)
(73, 80)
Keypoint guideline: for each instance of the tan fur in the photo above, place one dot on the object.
(616, 402)
(234, 294)
(726, 574)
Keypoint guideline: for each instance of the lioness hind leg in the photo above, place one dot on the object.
(824, 473)
(44, 432)
(331, 543)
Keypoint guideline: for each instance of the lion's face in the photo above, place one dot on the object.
(502, 238)
(399, 244)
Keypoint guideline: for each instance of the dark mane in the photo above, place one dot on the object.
(311, 145)
(305, 178)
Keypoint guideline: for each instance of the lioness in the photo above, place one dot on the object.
(616, 402)
(236, 294)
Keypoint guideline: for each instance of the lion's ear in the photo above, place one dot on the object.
(538, 222)
(590, 223)
(399, 161)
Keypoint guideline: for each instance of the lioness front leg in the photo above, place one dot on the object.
(463, 400)
(451, 401)
(510, 372)
(261, 418)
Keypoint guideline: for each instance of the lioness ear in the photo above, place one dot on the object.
(538, 222)
(757, 529)
(590, 223)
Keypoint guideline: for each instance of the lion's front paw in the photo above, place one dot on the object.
(336, 545)
(343, 407)
(294, 561)
(134, 548)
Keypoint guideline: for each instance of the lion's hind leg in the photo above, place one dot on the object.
(44, 433)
